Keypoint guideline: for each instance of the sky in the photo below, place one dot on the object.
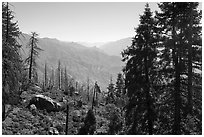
(80, 21)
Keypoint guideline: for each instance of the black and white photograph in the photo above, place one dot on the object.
(101, 68)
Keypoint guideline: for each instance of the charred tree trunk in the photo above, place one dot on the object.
(67, 122)
(3, 110)
(45, 76)
(31, 61)
(59, 83)
(93, 101)
(88, 89)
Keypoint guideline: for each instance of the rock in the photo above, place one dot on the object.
(36, 88)
(44, 102)
(32, 107)
(53, 131)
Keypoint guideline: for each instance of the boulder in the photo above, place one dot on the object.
(44, 102)
(53, 131)
(32, 107)
(36, 88)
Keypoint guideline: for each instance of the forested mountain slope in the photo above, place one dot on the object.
(81, 62)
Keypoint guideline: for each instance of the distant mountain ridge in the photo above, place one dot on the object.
(92, 44)
(115, 48)
(81, 62)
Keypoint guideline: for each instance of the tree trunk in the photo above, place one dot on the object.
(45, 75)
(148, 98)
(67, 118)
(190, 68)
(62, 79)
(177, 101)
(88, 89)
(59, 83)
(7, 24)
(31, 61)
(3, 110)
(93, 99)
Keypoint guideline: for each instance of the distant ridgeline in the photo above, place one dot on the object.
(81, 62)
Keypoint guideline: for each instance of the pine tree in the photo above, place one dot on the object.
(192, 34)
(119, 86)
(191, 41)
(175, 21)
(12, 66)
(139, 70)
(111, 92)
(34, 52)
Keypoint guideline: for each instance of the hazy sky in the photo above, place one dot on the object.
(87, 22)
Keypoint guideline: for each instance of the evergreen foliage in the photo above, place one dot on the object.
(120, 85)
(12, 65)
(89, 124)
(159, 92)
(139, 70)
(163, 65)
(179, 41)
(111, 92)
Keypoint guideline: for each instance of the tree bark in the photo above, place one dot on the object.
(177, 102)
(93, 98)
(67, 118)
(148, 98)
(190, 67)
(31, 61)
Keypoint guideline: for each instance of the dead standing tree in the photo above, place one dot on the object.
(34, 52)
(96, 90)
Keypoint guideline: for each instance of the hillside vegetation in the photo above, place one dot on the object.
(81, 62)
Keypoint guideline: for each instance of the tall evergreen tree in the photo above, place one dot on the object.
(120, 85)
(191, 41)
(139, 71)
(34, 52)
(111, 89)
(120, 93)
(175, 21)
(12, 65)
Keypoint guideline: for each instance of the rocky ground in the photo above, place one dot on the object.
(25, 121)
